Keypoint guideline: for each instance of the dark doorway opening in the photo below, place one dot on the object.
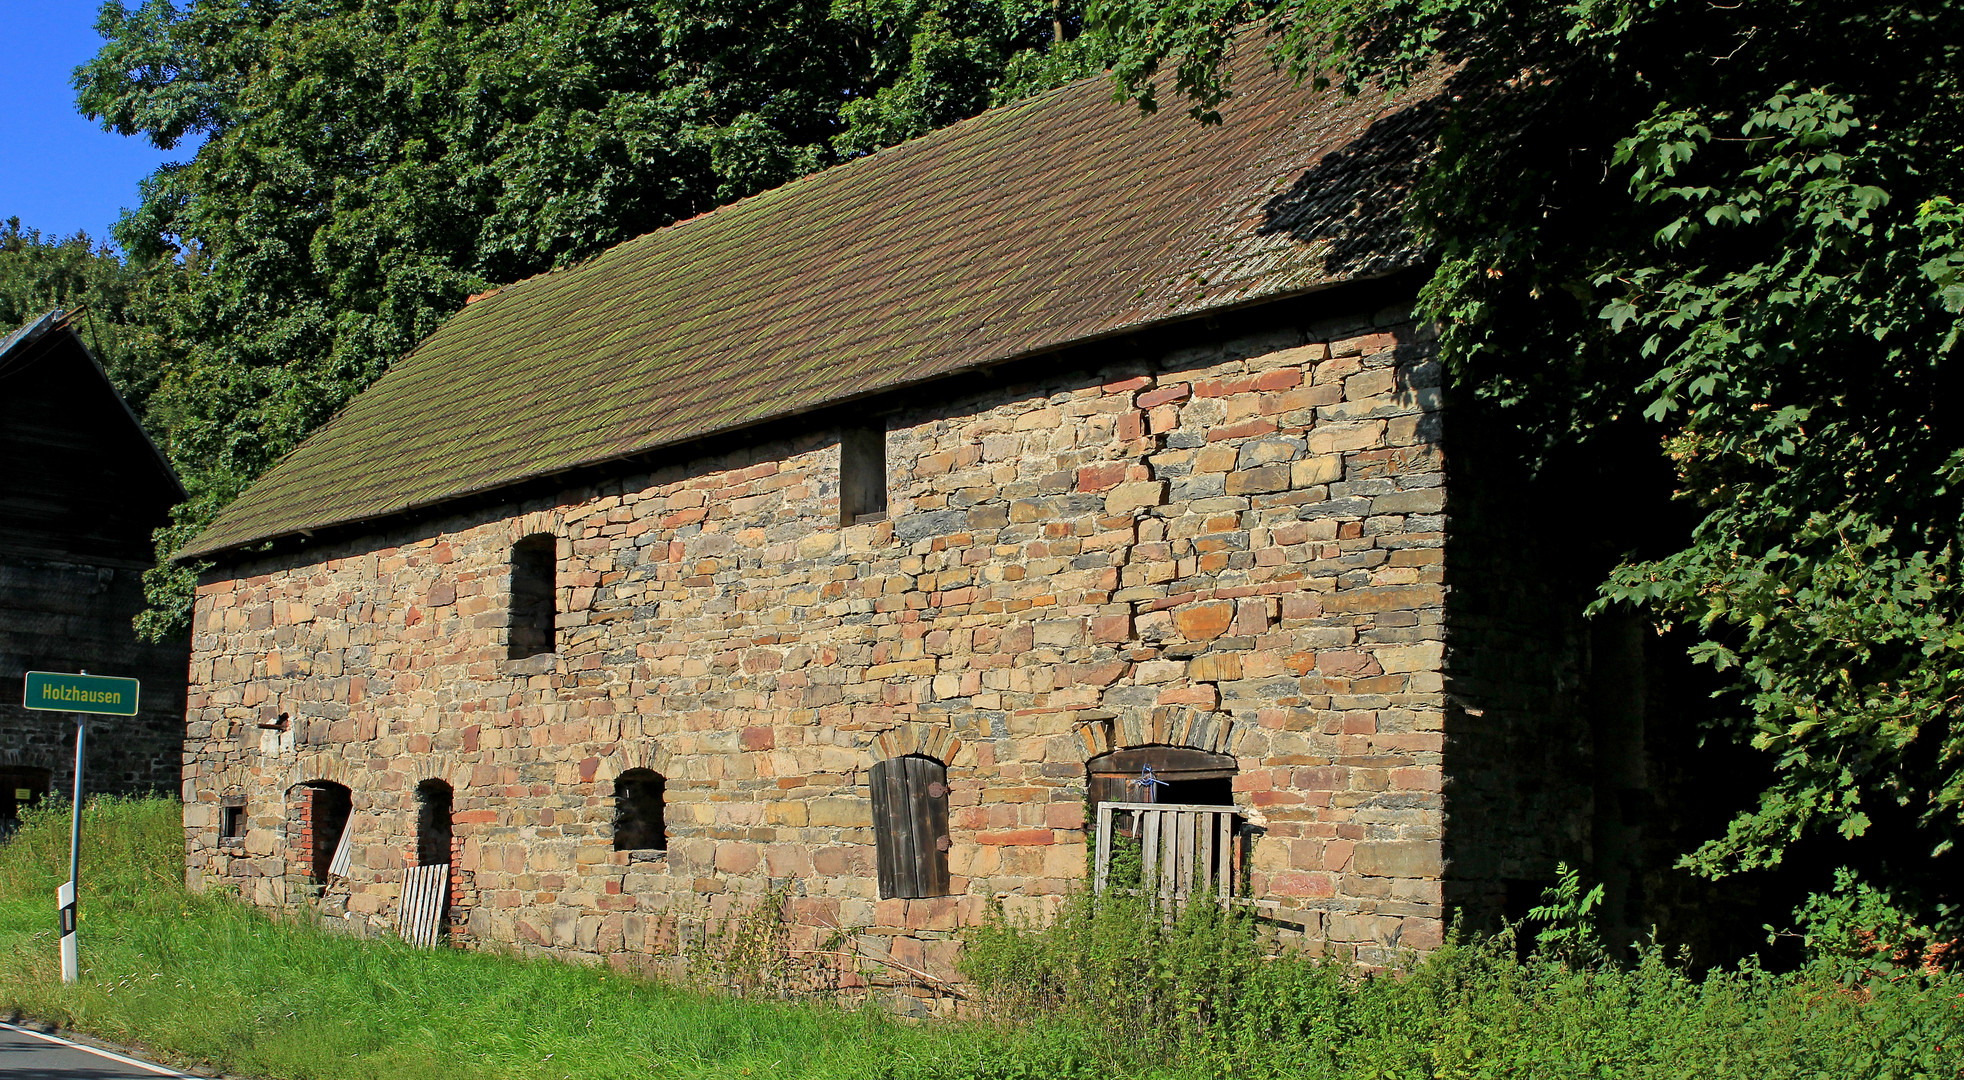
(20, 788)
(433, 828)
(327, 807)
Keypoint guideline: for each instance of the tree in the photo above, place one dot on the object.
(1740, 223)
(369, 164)
(115, 303)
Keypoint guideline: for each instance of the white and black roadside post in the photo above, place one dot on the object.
(80, 694)
(71, 964)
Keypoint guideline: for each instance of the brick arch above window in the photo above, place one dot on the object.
(323, 765)
(34, 759)
(646, 755)
(232, 780)
(1206, 730)
(444, 767)
(937, 741)
(534, 524)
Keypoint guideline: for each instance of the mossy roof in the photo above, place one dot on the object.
(1034, 226)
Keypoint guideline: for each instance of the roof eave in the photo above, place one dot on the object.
(192, 552)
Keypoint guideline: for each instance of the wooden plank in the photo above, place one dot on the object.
(1240, 846)
(1149, 849)
(1172, 806)
(929, 776)
(410, 905)
(883, 827)
(424, 892)
(900, 830)
(1169, 857)
(1205, 860)
(1102, 876)
(1183, 834)
(343, 850)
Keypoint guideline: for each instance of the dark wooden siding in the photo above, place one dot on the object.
(81, 489)
(910, 826)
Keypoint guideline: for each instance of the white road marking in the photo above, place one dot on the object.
(158, 1069)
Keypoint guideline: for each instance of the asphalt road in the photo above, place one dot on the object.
(30, 1055)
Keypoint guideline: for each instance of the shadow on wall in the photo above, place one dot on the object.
(1578, 739)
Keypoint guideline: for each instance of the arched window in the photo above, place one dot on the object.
(534, 587)
(1179, 775)
(910, 826)
(433, 799)
(640, 812)
(325, 807)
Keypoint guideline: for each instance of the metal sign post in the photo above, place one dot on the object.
(71, 963)
(81, 693)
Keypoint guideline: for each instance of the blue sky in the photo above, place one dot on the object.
(58, 171)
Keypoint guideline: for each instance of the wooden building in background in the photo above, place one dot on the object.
(81, 489)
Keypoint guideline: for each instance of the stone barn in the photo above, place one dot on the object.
(855, 541)
(81, 489)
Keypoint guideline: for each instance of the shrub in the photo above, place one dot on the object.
(1215, 994)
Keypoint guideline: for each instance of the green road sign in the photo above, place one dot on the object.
(80, 693)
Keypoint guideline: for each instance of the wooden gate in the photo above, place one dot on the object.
(425, 892)
(1186, 849)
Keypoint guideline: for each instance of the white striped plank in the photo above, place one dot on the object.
(343, 850)
(424, 890)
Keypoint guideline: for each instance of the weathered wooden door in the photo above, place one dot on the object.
(910, 826)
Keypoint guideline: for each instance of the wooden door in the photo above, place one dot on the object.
(910, 826)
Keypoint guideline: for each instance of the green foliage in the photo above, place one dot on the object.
(1865, 933)
(1144, 983)
(1737, 226)
(370, 164)
(118, 303)
(1567, 912)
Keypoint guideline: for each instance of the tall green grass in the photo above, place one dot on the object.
(204, 980)
(1108, 991)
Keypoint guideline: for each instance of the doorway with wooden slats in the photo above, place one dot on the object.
(910, 826)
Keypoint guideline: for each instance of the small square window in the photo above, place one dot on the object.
(232, 821)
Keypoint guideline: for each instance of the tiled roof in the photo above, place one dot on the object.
(1049, 222)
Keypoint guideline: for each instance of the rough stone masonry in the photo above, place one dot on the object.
(1236, 548)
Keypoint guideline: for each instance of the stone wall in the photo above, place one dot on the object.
(1235, 547)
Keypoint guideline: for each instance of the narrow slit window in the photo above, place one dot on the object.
(433, 831)
(640, 811)
(910, 826)
(862, 474)
(534, 589)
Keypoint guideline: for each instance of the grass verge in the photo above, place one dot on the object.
(1108, 992)
(206, 981)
